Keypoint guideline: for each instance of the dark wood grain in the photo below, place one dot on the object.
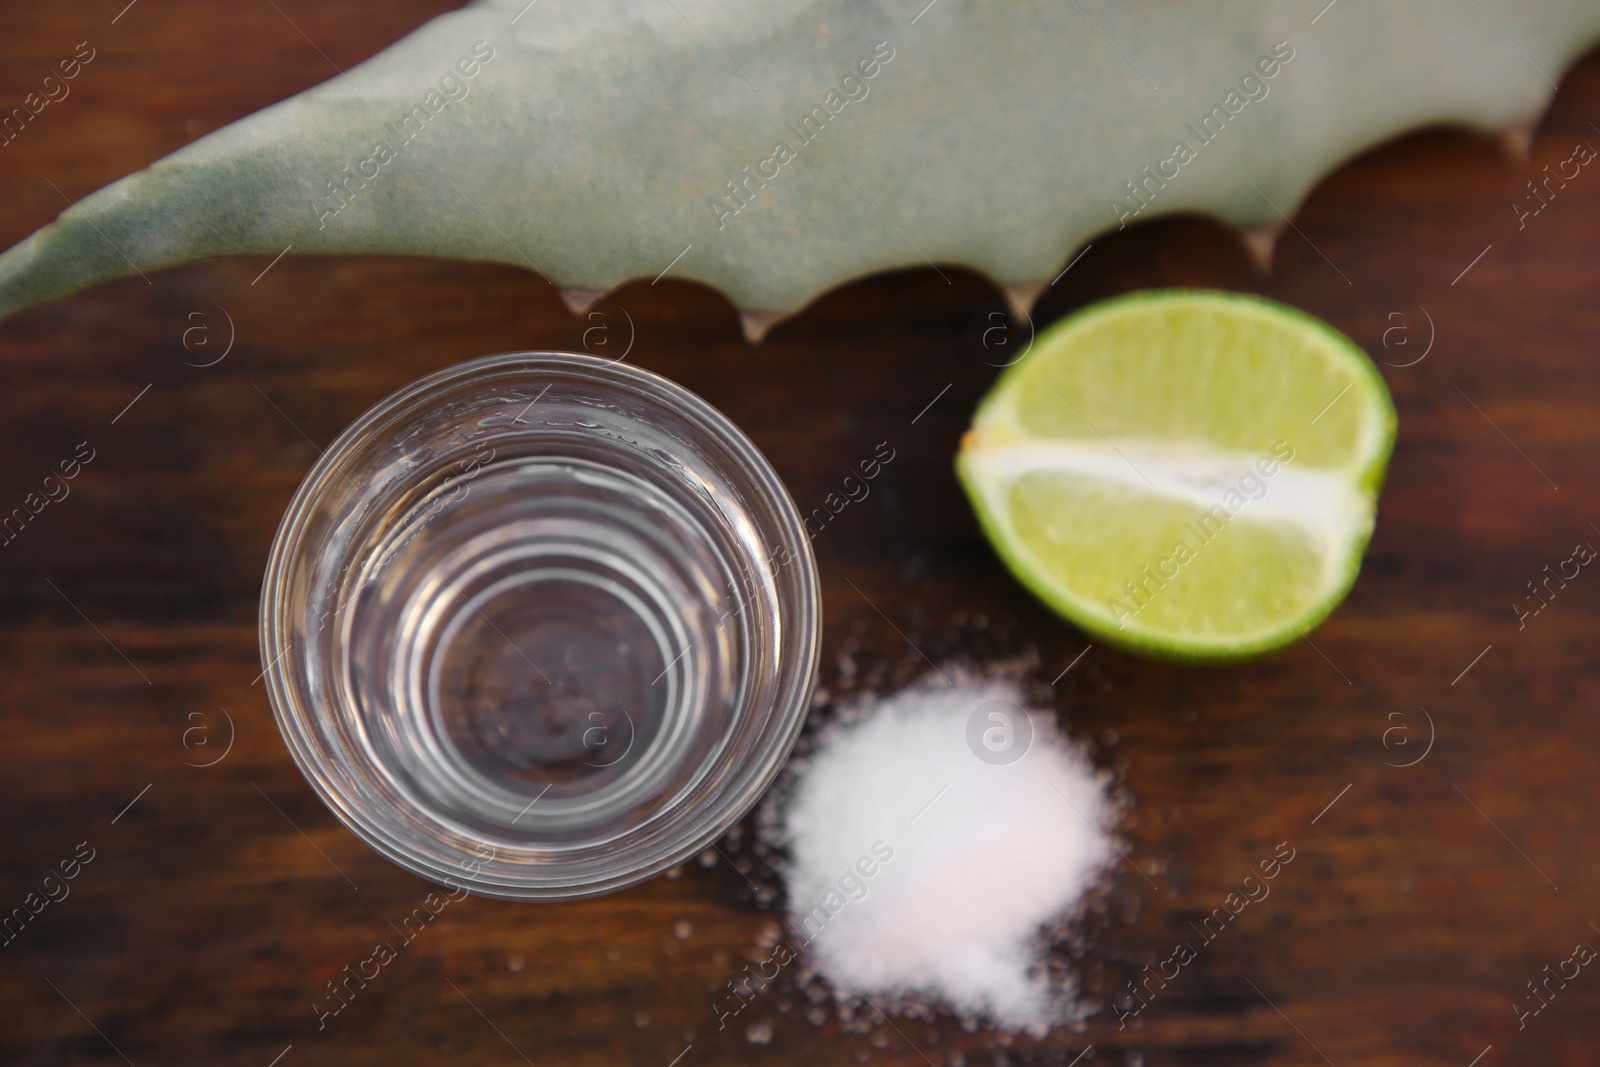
(217, 906)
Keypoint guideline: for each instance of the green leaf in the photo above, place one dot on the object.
(601, 142)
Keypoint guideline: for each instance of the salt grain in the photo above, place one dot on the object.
(926, 855)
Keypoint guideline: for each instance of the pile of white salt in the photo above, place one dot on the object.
(932, 841)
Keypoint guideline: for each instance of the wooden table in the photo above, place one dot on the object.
(219, 899)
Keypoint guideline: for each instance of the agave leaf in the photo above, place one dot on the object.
(598, 142)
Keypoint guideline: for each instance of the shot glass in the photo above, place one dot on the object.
(540, 626)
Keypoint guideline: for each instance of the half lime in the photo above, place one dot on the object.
(1187, 473)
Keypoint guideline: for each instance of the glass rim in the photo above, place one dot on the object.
(296, 710)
